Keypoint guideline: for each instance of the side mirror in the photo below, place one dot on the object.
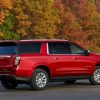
(87, 52)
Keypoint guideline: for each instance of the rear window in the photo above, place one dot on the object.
(29, 48)
(7, 48)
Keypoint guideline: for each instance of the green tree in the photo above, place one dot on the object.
(7, 28)
(6, 20)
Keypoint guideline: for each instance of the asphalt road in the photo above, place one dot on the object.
(81, 90)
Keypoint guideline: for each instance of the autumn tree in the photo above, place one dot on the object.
(21, 19)
(5, 6)
(6, 20)
(97, 2)
(68, 28)
(87, 17)
(77, 20)
(35, 18)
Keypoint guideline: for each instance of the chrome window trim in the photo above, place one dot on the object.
(47, 48)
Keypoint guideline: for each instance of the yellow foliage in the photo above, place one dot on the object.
(1, 34)
(22, 32)
(25, 23)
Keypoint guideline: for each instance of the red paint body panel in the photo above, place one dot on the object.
(58, 65)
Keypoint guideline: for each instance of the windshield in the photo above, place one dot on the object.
(7, 48)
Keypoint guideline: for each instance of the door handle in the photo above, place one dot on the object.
(56, 58)
(75, 58)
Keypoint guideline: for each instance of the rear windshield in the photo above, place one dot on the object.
(29, 48)
(7, 48)
(10, 48)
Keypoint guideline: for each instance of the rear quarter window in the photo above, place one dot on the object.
(29, 48)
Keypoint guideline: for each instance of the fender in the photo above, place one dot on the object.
(97, 63)
(51, 69)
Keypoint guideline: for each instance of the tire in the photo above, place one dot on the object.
(39, 80)
(9, 84)
(70, 81)
(95, 78)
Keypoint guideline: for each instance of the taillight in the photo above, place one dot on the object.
(17, 60)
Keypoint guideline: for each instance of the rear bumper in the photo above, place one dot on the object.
(15, 74)
(11, 76)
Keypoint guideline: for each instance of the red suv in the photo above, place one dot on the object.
(36, 62)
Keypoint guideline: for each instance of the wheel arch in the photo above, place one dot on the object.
(44, 67)
(98, 64)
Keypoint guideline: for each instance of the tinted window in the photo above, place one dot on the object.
(29, 48)
(75, 49)
(58, 48)
(7, 48)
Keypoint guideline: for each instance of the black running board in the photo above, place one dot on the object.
(61, 79)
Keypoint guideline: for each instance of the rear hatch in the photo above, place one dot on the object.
(7, 53)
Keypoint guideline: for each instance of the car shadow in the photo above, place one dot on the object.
(53, 86)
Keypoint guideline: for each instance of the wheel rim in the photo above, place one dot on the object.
(41, 80)
(97, 75)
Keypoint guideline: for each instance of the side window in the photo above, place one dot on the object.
(75, 49)
(58, 48)
(29, 48)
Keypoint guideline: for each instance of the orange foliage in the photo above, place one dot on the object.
(69, 28)
(2, 16)
(85, 10)
(6, 4)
